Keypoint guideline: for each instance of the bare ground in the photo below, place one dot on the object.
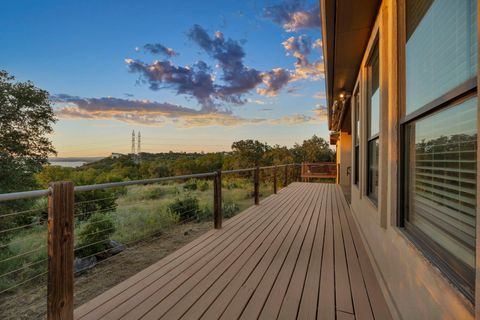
(30, 303)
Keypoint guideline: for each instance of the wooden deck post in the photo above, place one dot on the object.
(60, 251)
(285, 176)
(256, 185)
(217, 200)
(275, 180)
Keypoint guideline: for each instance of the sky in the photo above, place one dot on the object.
(189, 75)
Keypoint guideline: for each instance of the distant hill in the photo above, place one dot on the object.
(75, 159)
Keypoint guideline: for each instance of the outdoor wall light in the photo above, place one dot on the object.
(344, 95)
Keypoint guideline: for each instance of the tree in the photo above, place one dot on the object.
(315, 149)
(26, 119)
(249, 152)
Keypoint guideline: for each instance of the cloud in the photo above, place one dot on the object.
(301, 47)
(294, 119)
(320, 95)
(195, 81)
(151, 113)
(318, 44)
(157, 48)
(274, 81)
(321, 112)
(143, 112)
(320, 115)
(256, 101)
(237, 78)
(294, 15)
(231, 80)
(198, 81)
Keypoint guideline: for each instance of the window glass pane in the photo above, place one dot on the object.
(374, 95)
(375, 115)
(357, 167)
(373, 155)
(357, 118)
(441, 178)
(441, 49)
(357, 137)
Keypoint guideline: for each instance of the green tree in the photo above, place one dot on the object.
(26, 119)
(315, 149)
(250, 152)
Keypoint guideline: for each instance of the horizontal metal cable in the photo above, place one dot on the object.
(24, 267)
(95, 211)
(23, 282)
(22, 212)
(141, 182)
(94, 200)
(24, 226)
(23, 254)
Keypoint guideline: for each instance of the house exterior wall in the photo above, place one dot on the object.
(414, 288)
(344, 160)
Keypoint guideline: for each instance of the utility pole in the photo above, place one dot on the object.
(133, 144)
(139, 147)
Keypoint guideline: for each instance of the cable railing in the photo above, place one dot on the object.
(70, 230)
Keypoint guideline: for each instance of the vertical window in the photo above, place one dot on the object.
(440, 135)
(373, 125)
(441, 48)
(356, 137)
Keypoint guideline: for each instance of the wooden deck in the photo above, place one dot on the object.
(296, 255)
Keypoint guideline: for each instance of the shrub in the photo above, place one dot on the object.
(229, 209)
(154, 193)
(190, 185)
(94, 234)
(205, 214)
(204, 186)
(89, 202)
(186, 208)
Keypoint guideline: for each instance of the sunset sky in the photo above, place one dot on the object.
(190, 75)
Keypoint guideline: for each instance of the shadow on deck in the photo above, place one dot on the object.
(296, 255)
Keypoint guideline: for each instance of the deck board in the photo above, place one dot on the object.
(296, 255)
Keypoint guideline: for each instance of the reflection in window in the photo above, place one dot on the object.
(373, 125)
(374, 94)
(441, 166)
(441, 49)
(357, 137)
(373, 155)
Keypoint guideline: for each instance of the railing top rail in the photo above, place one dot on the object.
(317, 163)
(24, 195)
(237, 170)
(45, 192)
(145, 181)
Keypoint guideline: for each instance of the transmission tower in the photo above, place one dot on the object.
(133, 142)
(139, 147)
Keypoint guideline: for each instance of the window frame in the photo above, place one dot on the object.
(456, 271)
(373, 53)
(357, 135)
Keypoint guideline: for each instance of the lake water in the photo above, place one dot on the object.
(70, 164)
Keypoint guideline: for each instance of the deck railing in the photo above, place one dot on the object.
(319, 170)
(62, 216)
